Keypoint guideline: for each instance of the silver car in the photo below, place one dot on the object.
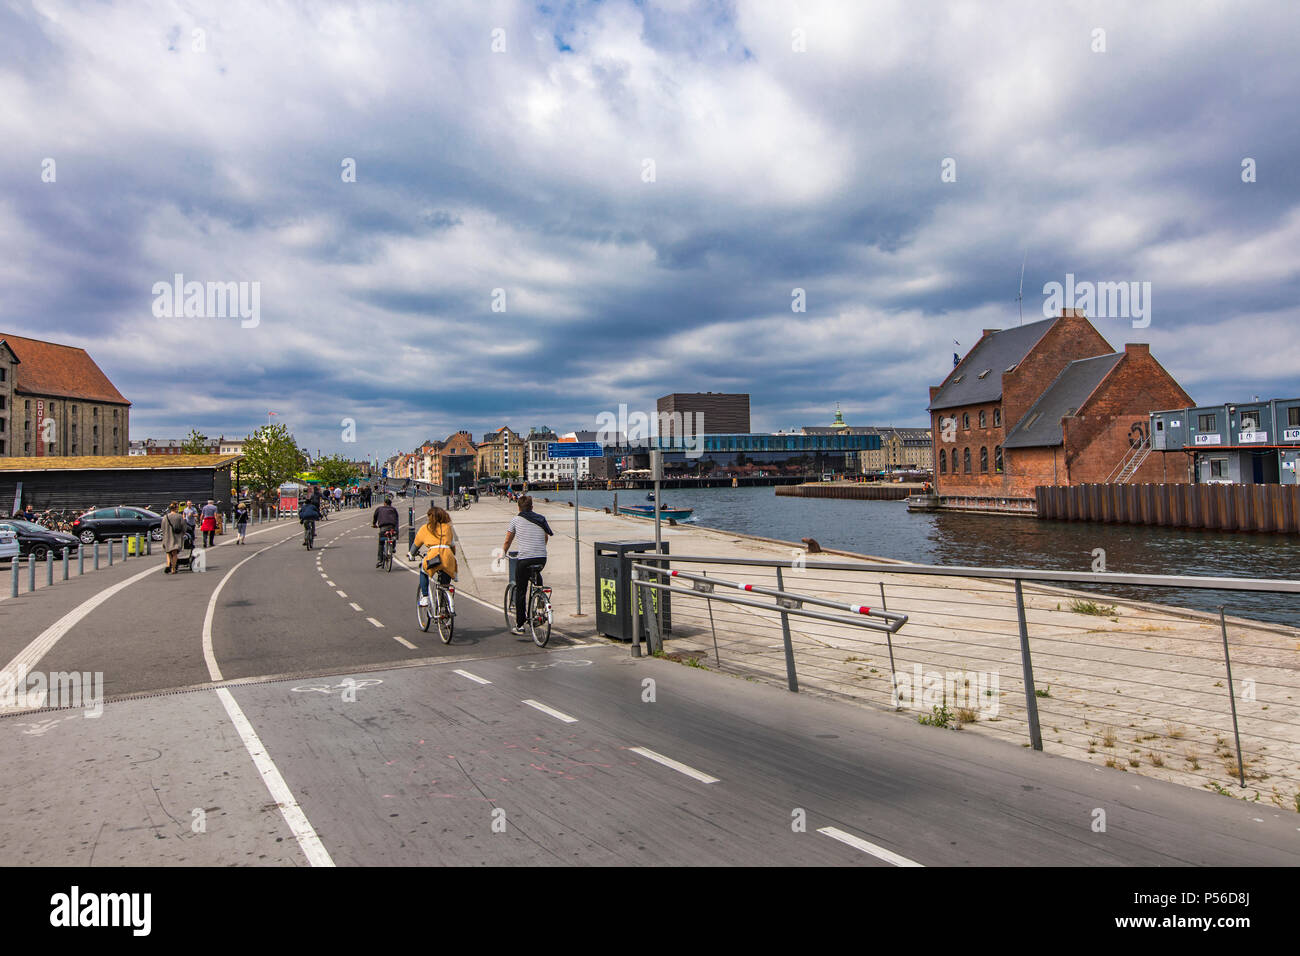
(8, 542)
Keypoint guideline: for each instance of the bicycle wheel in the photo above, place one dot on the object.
(509, 606)
(422, 614)
(446, 615)
(539, 618)
(388, 556)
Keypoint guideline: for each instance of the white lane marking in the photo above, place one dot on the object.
(31, 655)
(340, 594)
(355, 605)
(209, 657)
(374, 622)
(557, 714)
(405, 643)
(300, 826)
(669, 762)
(331, 584)
(474, 677)
(860, 844)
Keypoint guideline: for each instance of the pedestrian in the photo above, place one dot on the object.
(241, 522)
(191, 516)
(173, 537)
(208, 517)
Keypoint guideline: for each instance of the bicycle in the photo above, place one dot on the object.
(308, 534)
(390, 543)
(442, 606)
(539, 614)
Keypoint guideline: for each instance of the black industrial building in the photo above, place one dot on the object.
(146, 481)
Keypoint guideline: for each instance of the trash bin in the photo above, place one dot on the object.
(614, 561)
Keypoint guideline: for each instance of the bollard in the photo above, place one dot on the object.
(81, 559)
(110, 552)
(31, 573)
(13, 587)
(96, 554)
(65, 564)
(49, 569)
(148, 545)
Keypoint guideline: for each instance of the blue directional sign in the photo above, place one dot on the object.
(574, 449)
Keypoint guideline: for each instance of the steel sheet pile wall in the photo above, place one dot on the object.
(863, 492)
(1217, 507)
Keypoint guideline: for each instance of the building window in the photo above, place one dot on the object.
(997, 417)
(965, 459)
(2, 401)
(2, 424)
(94, 412)
(1292, 416)
(943, 462)
(997, 459)
(3, 372)
(1218, 467)
(27, 405)
(984, 461)
(1206, 423)
(982, 422)
(965, 420)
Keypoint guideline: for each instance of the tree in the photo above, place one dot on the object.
(196, 444)
(271, 457)
(335, 470)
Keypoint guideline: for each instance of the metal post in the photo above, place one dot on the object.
(1031, 699)
(49, 568)
(13, 587)
(31, 573)
(656, 462)
(148, 543)
(1232, 697)
(410, 531)
(96, 554)
(577, 550)
(889, 639)
(656, 640)
(81, 559)
(791, 679)
(709, 602)
(110, 552)
(65, 564)
(636, 617)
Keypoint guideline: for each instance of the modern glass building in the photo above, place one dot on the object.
(754, 453)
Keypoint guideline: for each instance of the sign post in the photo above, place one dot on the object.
(657, 472)
(575, 450)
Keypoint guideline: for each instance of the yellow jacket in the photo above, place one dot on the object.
(441, 544)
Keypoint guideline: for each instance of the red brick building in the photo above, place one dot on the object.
(1048, 403)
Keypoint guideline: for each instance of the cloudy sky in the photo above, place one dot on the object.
(643, 186)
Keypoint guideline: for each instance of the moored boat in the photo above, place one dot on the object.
(648, 511)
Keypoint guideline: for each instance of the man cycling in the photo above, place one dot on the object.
(531, 531)
(308, 515)
(385, 519)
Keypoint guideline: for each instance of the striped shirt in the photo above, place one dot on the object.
(530, 540)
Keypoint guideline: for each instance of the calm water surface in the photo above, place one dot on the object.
(886, 529)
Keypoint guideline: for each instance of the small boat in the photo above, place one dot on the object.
(648, 511)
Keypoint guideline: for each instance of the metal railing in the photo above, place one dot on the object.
(1137, 685)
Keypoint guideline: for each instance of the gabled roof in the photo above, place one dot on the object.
(116, 462)
(46, 368)
(1065, 396)
(994, 354)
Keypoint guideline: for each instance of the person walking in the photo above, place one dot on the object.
(241, 522)
(173, 537)
(208, 525)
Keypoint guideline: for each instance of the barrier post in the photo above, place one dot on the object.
(1027, 667)
(65, 564)
(791, 679)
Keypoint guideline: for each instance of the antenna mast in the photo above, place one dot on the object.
(1020, 296)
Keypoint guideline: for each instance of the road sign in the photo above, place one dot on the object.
(574, 449)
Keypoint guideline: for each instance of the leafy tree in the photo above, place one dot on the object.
(271, 457)
(196, 444)
(335, 470)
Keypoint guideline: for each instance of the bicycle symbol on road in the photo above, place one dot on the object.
(534, 666)
(346, 684)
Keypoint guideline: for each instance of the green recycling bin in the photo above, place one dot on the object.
(614, 560)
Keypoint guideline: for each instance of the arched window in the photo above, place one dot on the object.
(984, 461)
(965, 419)
(954, 461)
(997, 459)
(965, 459)
(943, 462)
(997, 417)
(982, 420)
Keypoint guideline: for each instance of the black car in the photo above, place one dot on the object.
(37, 542)
(105, 523)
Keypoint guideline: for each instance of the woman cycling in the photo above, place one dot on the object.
(439, 538)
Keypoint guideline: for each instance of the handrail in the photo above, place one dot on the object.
(1275, 585)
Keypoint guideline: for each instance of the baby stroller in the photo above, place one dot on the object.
(185, 557)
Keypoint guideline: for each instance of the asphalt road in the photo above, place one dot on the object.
(266, 712)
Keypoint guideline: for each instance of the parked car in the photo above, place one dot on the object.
(37, 541)
(9, 546)
(103, 523)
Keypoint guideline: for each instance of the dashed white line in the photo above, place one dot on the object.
(405, 643)
(340, 594)
(374, 622)
(860, 844)
(675, 765)
(474, 677)
(331, 583)
(355, 605)
(557, 714)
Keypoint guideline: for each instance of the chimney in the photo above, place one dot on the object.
(1137, 348)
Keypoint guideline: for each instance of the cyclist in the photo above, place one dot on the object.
(530, 530)
(385, 519)
(308, 515)
(439, 537)
(338, 498)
